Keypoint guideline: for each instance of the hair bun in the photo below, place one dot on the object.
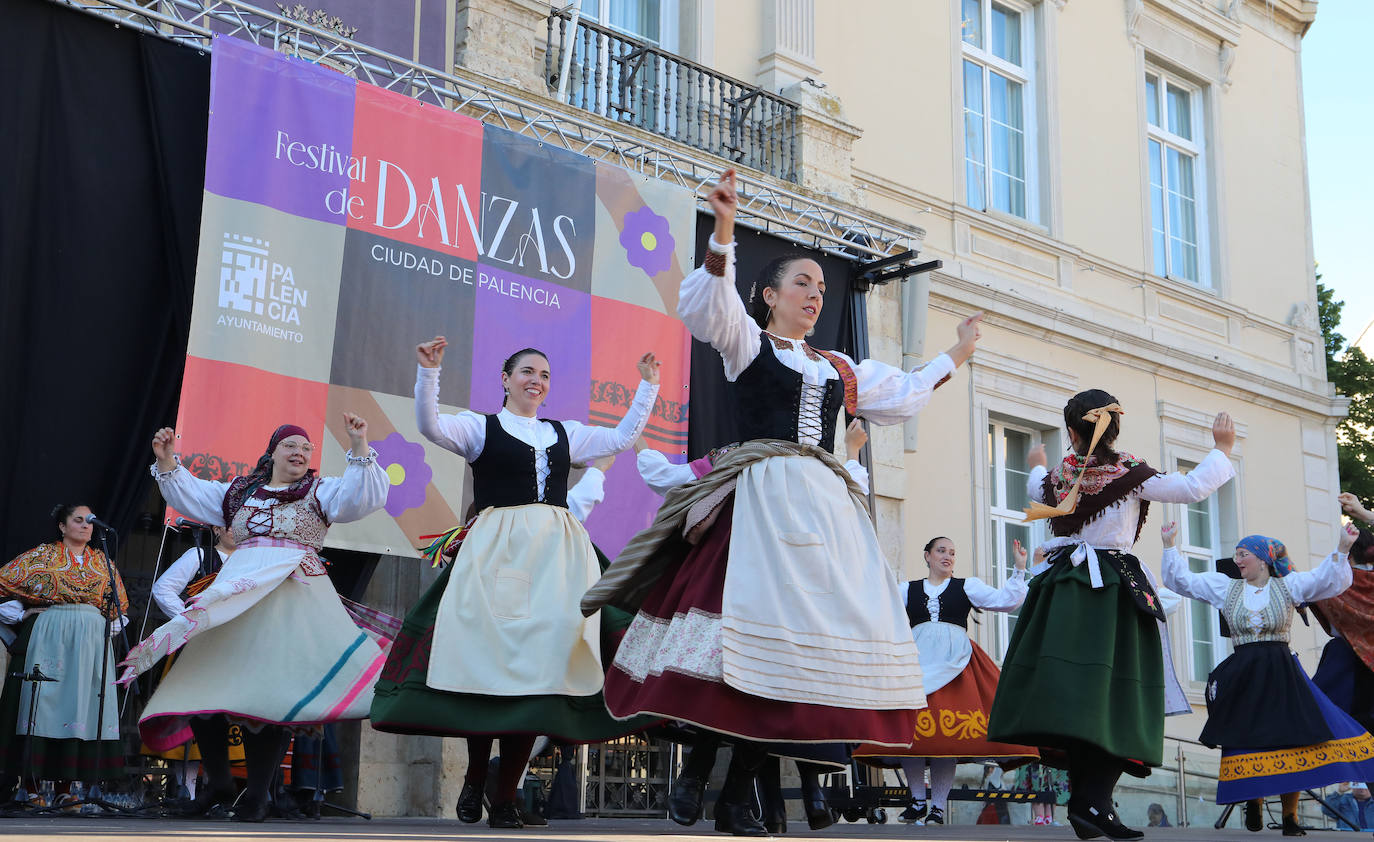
(56, 510)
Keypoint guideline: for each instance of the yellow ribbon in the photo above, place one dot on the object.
(1100, 418)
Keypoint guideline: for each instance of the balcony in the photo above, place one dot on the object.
(609, 73)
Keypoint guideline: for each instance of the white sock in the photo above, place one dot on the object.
(915, 770)
(941, 781)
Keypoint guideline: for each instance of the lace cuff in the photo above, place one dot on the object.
(362, 460)
(162, 475)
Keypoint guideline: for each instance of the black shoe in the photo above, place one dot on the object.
(251, 809)
(1291, 826)
(470, 804)
(818, 816)
(204, 800)
(935, 816)
(914, 812)
(1083, 827)
(505, 815)
(1254, 820)
(686, 803)
(738, 819)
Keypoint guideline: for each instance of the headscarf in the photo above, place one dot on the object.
(1101, 419)
(1269, 550)
(244, 487)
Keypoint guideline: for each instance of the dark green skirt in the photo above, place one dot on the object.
(1083, 666)
(50, 759)
(404, 704)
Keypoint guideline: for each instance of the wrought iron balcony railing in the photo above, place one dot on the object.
(599, 69)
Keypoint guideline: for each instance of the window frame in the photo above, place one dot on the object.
(999, 516)
(1026, 75)
(1196, 149)
(1192, 551)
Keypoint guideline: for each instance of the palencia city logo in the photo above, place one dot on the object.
(265, 291)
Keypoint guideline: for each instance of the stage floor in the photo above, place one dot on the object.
(99, 829)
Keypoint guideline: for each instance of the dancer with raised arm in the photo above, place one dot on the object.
(271, 610)
(960, 681)
(496, 647)
(766, 610)
(1095, 702)
(1277, 732)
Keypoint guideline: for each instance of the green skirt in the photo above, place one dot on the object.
(49, 759)
(1083, 666)
(404, 704)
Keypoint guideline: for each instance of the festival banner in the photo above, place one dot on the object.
(343, 224)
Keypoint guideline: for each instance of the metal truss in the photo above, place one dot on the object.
(764, 204)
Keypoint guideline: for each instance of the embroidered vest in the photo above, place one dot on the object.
(953, 605)
(300, 521)
(1271, 623)
(504, 474)
(768, 398)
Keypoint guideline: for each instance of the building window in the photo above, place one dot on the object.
(1174, 146)
(1008, 447)
(1200, 543)
(648, 20)
(999, 112)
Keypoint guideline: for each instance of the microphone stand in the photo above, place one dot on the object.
(111, 610)
(34, 677)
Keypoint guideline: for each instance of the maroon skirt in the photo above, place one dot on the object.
(669, 665)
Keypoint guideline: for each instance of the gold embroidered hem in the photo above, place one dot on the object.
(1355, 749)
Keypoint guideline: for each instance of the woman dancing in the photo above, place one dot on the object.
(1095, 700)
(496, 647)
(766, 610)
(1278, 733)
(960, 680)
(271, 614)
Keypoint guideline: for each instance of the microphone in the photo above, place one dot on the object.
(185, 522)
(92, 519)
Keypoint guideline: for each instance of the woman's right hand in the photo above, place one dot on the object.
(1350, 505)
(164, 447)
(724, 201)
(1037, 458)
(854, 438)
(431, 354)
(1349, 534)
(968, 333)
(1169, 533)
(1224, 433)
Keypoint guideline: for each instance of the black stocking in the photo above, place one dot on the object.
(212, 738)
(262, 753)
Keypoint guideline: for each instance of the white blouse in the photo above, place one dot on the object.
(712, 310)
(586, 493)
(168, 587)
(980, 594)
(1115, 528)
(661, 475)
(1329, 579)
(466, 432)
(359, 492)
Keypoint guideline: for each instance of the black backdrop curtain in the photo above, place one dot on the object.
(712, 415)
(102, 145)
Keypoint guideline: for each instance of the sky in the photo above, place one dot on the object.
(1339, 107)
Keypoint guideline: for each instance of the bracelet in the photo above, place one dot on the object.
(362, 460)
(715, 264)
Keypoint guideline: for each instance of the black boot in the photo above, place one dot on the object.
(736, 806)
(774, 810)
(686, 802)
(818, 815)
(1254, 819)
(470, 804)
(262, 755)
(1291, 826)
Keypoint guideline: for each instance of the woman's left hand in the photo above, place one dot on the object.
(1168, 533)
(357, 433)
(1348, 536)
(1018, 552)
(648, 367)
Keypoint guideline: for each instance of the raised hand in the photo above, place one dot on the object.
(648, 367)
(968, 334)
(357, 433)
(1037, 458)
(1018, 554)
(854, 438)
(604, 463)
(724, 201)
(1224, 433)
(431, 354)
(164, 448)
(1169, 534)
(1350, 505)
(1348, 536)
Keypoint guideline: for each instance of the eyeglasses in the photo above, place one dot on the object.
(293, 447)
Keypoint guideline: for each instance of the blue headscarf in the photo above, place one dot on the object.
(1271, 551)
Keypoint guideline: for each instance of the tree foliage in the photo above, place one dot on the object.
(1351, 371)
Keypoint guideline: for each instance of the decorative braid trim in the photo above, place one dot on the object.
(715, 264)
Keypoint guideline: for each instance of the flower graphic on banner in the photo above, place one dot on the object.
(405, 466)
(647, 241)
